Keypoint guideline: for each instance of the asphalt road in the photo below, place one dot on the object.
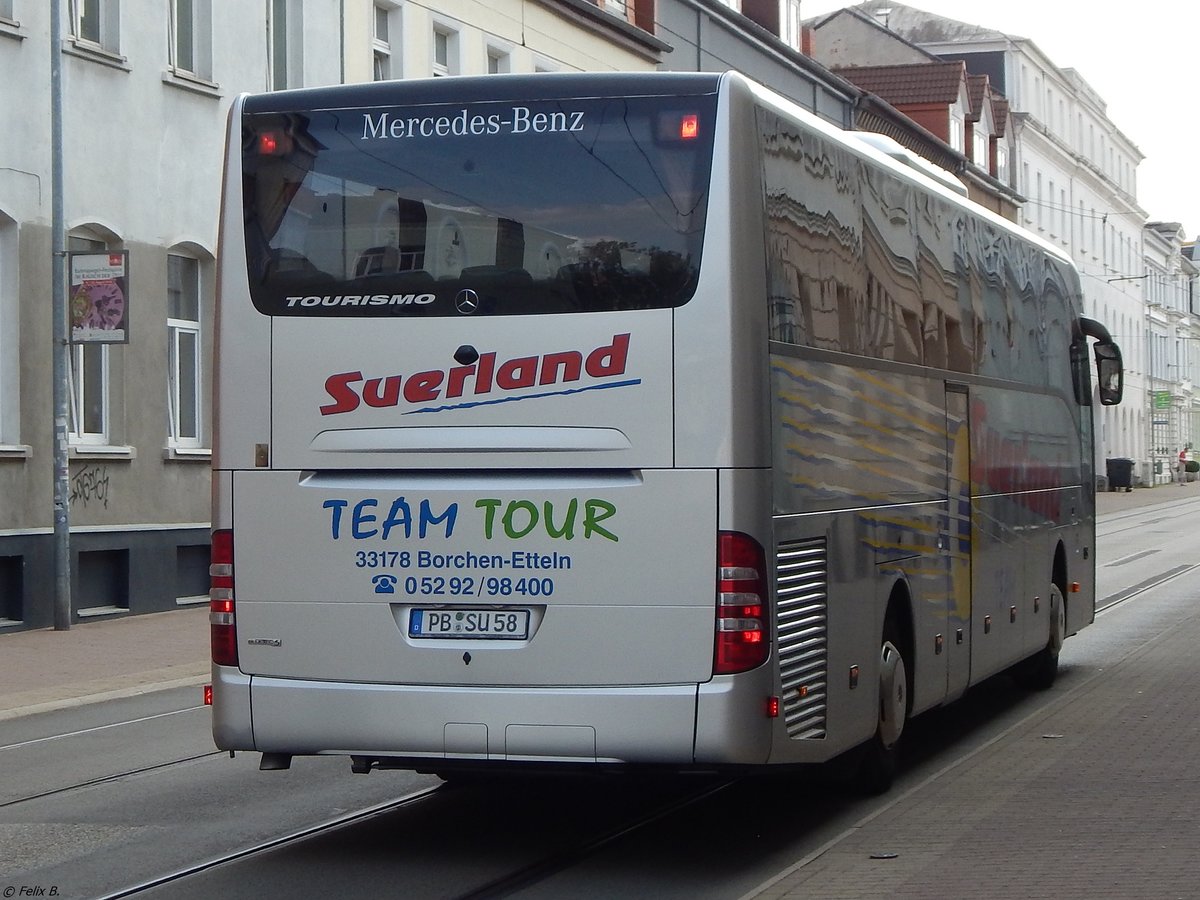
(129, 795)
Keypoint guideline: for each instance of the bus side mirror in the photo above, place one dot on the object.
(1110, 371)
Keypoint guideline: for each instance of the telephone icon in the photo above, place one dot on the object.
(385, 584)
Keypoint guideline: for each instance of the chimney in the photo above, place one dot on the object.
(806, 40)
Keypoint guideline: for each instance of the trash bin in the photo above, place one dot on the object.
(1120, 473)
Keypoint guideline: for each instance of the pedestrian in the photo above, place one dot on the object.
(1182, 467)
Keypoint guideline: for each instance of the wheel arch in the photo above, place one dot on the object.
(899, 614)
(1059, 576)
(1059, 572)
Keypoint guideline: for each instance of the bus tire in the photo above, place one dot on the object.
(877, 768)
(1038, 672)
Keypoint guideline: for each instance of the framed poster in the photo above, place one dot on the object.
(98, 297)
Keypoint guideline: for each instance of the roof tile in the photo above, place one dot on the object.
(935, 82)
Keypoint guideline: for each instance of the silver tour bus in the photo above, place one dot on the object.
(628, 420)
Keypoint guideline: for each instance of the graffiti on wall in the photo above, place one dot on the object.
(90, 485)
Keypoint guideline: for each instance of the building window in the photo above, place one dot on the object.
(9, 333)
(89, 377)
(980, 150)
(498, 61)
(445, 51)
(6, 10)
(87, 20)
(1041, 203)
(1025, 189)
(183, 32)
(956, 133)
(441, 53)
(89, 394)
(97, 22)
(1051, 214)
(384, 30)
(284, 30)
(183, 340)
(1002, 163)
(190, 46)
(791, 34)
(618, 8)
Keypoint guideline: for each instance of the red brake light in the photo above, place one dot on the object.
(741, 604)
(689, 127)
(274, 143)
(222, 626)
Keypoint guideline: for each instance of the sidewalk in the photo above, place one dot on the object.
(99, 660)
(1115, 501)
(1092, 796)
(102, 660)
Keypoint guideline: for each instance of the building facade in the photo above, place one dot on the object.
(1077, 173)
(1172, 347)
(144, 107)
(145, 96)
(146, 89)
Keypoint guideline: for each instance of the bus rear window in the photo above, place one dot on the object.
(481, 208)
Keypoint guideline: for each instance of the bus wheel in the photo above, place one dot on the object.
(878, 766)
(1037, 673)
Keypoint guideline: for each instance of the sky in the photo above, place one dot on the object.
(1141, 58)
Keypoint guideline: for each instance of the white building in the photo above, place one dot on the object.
(146, 90)
(1078, 174)
(1173, 346)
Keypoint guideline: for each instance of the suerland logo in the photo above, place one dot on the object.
(361, 300)
(480, 379)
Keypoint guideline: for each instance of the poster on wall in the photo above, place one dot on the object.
(98, 297)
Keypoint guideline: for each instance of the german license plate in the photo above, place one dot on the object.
(510, 624)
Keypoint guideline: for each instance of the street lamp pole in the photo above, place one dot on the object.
(61, 348)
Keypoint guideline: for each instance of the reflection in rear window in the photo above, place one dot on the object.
(480, 208)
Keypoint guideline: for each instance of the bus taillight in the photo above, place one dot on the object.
(222, 628)
(741, 604)
(274, 143)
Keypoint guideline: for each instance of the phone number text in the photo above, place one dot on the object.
(469, 586)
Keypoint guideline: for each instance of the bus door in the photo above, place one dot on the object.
(956, 540)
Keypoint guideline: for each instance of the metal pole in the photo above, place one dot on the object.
(61, 349)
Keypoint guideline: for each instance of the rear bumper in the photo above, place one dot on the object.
(653, 725)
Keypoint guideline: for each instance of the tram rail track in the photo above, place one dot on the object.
(503, 884)
(538, 871)
(108, 779)
(292, 837)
